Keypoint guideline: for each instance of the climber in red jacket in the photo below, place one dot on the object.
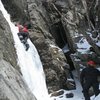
(23, 35)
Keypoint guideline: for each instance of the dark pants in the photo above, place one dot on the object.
(86, 89)
(23, 37)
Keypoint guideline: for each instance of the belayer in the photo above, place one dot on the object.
(23, 35)
(89, 78)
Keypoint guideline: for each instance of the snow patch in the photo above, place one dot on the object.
(83, 45)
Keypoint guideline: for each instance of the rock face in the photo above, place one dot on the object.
(12, 86)
(6, 42)
(17, 9)
(52, 57)
(64, 21)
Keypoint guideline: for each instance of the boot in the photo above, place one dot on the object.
(27, 46)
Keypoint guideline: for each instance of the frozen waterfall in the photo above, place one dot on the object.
(29, 63)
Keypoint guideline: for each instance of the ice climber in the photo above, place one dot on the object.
(23, 35)
(89, 78)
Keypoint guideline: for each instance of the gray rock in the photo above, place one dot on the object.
(52, 58)
(12, 86)
(7, 50)
(69, 95)
(70, 85)
(57, 93)
(17, 9)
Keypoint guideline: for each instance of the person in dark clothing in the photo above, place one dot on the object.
(89, 78)
(23, 35)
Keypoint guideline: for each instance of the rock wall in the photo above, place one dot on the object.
(12, 86)
(74, 18)
(17, 9)
(52, 57)
(7, 51)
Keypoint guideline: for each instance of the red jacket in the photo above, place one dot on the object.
(21, 28)
(25, 29)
